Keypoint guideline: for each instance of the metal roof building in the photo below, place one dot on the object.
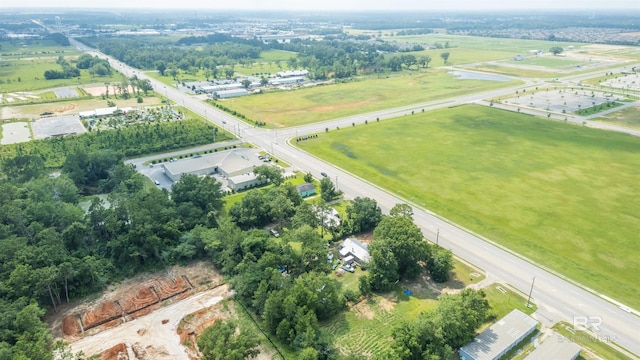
(501, 337)
(225, 94)
(228, 163)
(556, 347)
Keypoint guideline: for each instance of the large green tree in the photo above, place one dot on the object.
(223, 341)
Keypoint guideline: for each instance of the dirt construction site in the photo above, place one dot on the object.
(147, 317)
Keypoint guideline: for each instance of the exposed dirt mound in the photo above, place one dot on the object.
(70, 325)
(143, 298)
(118, 352)
(169, 289)
(109, 310)
(145, 311)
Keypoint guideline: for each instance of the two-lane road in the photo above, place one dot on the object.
(557, 298)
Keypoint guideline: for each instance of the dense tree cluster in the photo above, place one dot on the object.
(95, 65)
(53, 250)
(222, 341)
(339, 56)
(398, 251)
(129, 141)
(67, 71)
(438, 333)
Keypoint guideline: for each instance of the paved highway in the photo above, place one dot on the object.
(557, 297)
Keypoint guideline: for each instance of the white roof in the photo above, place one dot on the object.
(351, 246)
(243, 178)
(500, 336)
(106, 111)
(555, 347)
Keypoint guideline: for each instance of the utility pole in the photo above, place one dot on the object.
(531, 291)
(437, 236)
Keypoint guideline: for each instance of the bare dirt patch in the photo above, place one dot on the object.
(363, 309)
(118, 352)
(142, 299)
(106, 312)
(71, 325)
(387, 304)
(167, 289)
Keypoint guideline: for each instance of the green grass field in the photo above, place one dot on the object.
(28, 75)
(552, 62)
(512, 46)
(304, 106)
(559, 194)
(627, 117)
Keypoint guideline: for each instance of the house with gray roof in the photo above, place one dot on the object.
(306, 190)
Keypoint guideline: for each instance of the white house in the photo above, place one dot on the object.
(354, 250)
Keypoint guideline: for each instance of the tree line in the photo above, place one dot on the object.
(129, 141)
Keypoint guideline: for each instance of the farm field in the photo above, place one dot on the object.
(304, 106)
(556, 193)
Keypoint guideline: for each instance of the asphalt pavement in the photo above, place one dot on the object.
(557, 298)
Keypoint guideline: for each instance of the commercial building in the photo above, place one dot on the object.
(229, 164)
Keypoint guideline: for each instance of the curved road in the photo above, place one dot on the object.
(557, 298)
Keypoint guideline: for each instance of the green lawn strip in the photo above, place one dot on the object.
(598, 108)
(627, 117)
(503, 300)
(554, 192)
(551, 62)
(592, 348)
(514, 71)
(309, 105)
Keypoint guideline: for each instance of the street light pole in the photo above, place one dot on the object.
(531, 291)
(437, 236)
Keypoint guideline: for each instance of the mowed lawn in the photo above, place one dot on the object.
(309, 105)
(563, 195)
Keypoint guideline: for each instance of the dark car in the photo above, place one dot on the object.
(324, 174)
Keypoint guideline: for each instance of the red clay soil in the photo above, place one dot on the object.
(143, 298)
(169, 289)
(143, 312)
(118, 352)
(70, 325)
(107, 312)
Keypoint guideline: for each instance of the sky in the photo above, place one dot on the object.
(328, 4)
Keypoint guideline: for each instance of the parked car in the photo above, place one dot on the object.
(274, 232)
(156, 182)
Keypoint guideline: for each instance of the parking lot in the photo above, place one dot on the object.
(566, 100)
(57, 126)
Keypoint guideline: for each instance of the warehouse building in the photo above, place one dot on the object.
(501, 337)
